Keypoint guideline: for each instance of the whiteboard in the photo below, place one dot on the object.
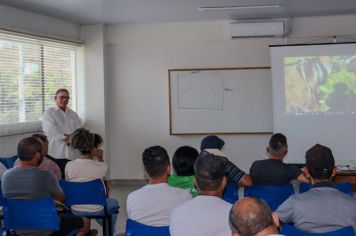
(220, 101)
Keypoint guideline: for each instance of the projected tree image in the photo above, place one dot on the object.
(316, 84)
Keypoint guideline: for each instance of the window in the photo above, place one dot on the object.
(31, 70)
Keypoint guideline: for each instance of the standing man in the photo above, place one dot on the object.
(59, 122)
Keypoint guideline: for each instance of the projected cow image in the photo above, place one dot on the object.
(320, 84)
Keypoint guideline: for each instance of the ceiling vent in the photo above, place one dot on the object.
(260, 28)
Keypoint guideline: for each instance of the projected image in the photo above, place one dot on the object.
(320, 84)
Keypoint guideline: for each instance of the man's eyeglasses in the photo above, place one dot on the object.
(64, 98)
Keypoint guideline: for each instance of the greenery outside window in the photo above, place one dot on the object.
(31, 70)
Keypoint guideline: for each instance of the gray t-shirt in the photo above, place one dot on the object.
(29, 183)
(321, 209)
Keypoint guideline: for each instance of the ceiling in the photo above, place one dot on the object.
(149, 11)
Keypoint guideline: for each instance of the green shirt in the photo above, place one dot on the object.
(184, 182)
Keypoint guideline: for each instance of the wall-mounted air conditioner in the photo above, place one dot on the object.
(260, 28)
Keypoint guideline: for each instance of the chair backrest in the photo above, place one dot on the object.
(345, 187)
(290, 230)
(274, 196)
(9, 162)
(231, 193)
(133, 228)
(82, 193)
(30, 214)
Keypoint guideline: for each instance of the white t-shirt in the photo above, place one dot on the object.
(56, 123)
(153, 204)
(203, 215)
(81, 170)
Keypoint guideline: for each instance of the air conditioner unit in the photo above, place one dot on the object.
(260, 28)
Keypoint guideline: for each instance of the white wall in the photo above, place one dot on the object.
(96, 119)
(15, 19)
(138, 59)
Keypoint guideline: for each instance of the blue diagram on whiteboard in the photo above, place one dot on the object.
(201, 90)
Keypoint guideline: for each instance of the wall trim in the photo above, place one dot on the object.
(128, 182)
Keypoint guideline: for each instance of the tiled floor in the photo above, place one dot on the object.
(119, 192)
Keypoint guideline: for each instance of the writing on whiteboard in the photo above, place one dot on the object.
(201, 90)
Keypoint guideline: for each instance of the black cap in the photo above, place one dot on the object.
(320, 161)
(212, 142)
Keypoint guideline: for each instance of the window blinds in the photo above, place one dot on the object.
(31, 71)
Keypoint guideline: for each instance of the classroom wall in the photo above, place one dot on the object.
(16, 19)
(138, 58)
(134, 81)
(96, 109)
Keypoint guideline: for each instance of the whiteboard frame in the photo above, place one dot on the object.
(170, 77)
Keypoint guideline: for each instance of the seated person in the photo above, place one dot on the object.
(152, 204)
(273, 171)
(27, 181)
(206, 214)
(323, 208)
(183, 164)
(46, 164)
(213, 144)
(86, 169)
(252, 216)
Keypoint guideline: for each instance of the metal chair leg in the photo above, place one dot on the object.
(104, 227)
(110, 225)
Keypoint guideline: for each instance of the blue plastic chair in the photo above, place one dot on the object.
(231, 193)
(290, 230)
(133, 228)
(274, 196)
(344, 187)
(9, 162)
(30, 214)
(88, 193)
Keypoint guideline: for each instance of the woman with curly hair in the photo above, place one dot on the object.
(86, 168)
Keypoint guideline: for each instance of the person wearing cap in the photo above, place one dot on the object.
(252, 216)
(153, 204)
(207, 214)
(273, 171)
(323, 208)
(213, 144)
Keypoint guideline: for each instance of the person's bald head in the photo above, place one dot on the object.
(251, 216)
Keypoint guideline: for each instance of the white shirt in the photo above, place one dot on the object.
(56, 123)
(153, 204)
(81, 170)
(203, 215)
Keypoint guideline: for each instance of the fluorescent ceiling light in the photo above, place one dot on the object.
(239, 7)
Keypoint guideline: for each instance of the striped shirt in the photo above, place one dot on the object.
(232, 172)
